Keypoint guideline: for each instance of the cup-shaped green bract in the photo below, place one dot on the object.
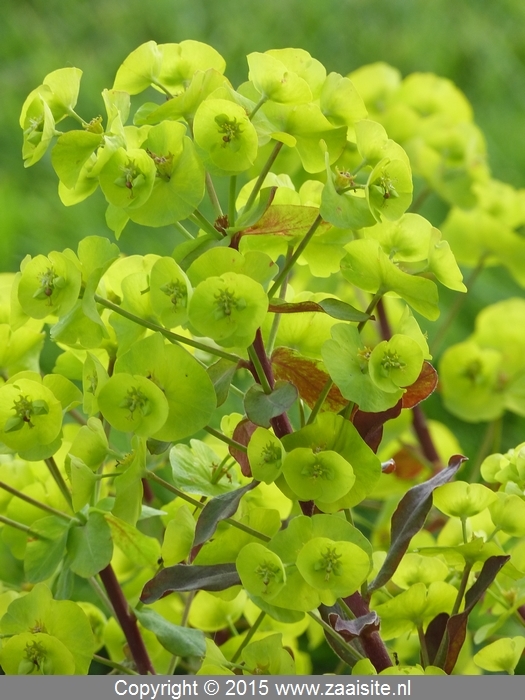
(508, 514)
(184, 384)
(132, 403)
(323, 476)
(37, 654)
(395, 363)
(261, 571)
(30, 414)
(179, 183)
(127, 178)
(268, 657)
(389, 189)
(39, 128)
(347, 360)
(341, 103)
(338, 567)
(284, 75)
(265, 454)
(470, 382)
(502, 655)
(224, 132)
(170, 292)
(48, 285)
(228, 309)
(462, 500)
(415, 568)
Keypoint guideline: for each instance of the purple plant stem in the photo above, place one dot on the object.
(127, 621)
(372, 644)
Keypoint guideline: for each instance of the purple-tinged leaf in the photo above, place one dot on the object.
(457, 625)
(409, 518)
(261, 408)
(350, 629)
(216, 510)
(434, 634)
(370, 425)
(242, 434)
(182, 578)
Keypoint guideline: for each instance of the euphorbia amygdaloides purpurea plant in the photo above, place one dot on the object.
(229, 469)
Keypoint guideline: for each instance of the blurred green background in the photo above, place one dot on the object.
(480, 45)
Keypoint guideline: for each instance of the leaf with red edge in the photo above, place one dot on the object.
(409, 518)
(308, 376)
(242, 434)
(421, 389)
(189, 578)
(286, 220)
(457, 624)
(370, 425)
(333, 307)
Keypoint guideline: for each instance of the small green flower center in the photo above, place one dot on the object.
(329, 563)
(227, 301)
(387, 187)
(230, 128)
(24, 410)
(318, 471)
(268, 571)
(363, 356)
(391, 360)
(473, 371)
(270, 453)
(49, 282)
(344, 179)
(131, 176)
(95, 126)
(135, 401)
(177, 292)
(164, 164)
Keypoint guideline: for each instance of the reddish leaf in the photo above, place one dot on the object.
(388, 467)
(242, 434)
(350, 629)
(308, 376)
(434, 634)
(286, 220)
(370, 425)
(457, 624)
(409, 518)
(408, 463)
(421, 389)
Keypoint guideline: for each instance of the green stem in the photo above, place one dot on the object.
(184, 621)
(236, 391)
(76, 116)
(456, 307)
(57, 476)
(182, 229)
(464, 530)
(461, 589)
(347, 410)
(293, 258)
(320, 401)
(257, 107)
(202, 222)
(253, 629)
(277, 317)
(232, 196)
(263, 379)
(423, 643)
(262, 175)
(22, 528)
(164, 89)
(370, 308)
(350, 615)
(225, 438)
(418, 203)
(329, 630)
(212, 194)
(173, 337)
(115, 665)
(240, 526)
(360, 166)
(101, 594)
(34, 502)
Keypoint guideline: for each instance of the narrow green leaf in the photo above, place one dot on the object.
(179, 641)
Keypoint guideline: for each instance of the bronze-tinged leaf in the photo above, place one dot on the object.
(242, 434)
(370, 425)
(421, 389)
(218, 509)
(309, 377)
(409, 517)
(286, 220)
(408, 463)
(333, 307)
(350, 629)
(189, 578)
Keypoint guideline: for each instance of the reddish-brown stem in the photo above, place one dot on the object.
(127, 621)
(419, 422)
(372, 644)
